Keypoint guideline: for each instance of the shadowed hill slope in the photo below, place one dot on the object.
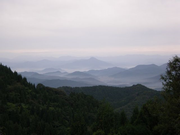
(120, 98)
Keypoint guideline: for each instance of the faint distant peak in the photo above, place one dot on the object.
(93, 58)
(44, 60)
(143, 66)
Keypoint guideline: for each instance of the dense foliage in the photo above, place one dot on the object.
(26, 109)
(171, 93)
(29, 110)
(126, 98)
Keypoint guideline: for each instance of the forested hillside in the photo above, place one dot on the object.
(125, 98)
(26, 109)
(29, 110)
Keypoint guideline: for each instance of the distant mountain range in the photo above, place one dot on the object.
(43, 66)
(148, 75)
(106, 72)
(89, 72)
(141, 71)
(86, 64)
(50, 70)
(78, 74)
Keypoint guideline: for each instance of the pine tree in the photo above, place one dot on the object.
(171, 86)
(171, 80)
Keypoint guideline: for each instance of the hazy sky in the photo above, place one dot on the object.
(89, 27)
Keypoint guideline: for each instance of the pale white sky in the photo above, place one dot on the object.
(89, 27)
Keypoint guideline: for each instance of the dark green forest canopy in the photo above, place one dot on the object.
(26, 109)
(126, 98)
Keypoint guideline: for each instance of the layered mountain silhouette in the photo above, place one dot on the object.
(88, 72)
(106, 72)
(85, 64)
(141, 71)
(148, 75)
(79, 75)
(44, 66)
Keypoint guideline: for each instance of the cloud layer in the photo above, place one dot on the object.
(90, 27)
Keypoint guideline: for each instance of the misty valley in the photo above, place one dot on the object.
(89, 72)
(98, 99)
